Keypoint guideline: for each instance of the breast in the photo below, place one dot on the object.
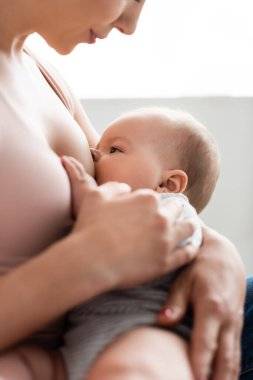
(34, 196)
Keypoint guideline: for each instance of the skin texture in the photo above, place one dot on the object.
(38, 133)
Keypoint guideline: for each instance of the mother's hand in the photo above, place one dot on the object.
(131, 237)
(214, 285)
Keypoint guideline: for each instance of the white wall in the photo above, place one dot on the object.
(231, 122)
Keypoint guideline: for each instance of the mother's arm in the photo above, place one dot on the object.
(43, 289)
(99, 254)
(214, 284)
(102, 252)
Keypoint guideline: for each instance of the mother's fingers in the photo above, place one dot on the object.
(73, 167)
(181, 256)
(112, 189)
(227, 360)
(182, 230)
(77, 173)
(178, 229)
(171, 208)
(204, 340)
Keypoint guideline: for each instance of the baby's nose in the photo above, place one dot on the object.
(96, 154)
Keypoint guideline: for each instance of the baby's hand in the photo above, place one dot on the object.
(78, 181)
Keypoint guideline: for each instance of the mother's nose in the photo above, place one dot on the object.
(127, 22)
(96, 154)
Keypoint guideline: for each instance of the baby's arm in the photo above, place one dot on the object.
(76, 171)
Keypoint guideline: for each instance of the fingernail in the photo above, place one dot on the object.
(208, 376)
(168, 312)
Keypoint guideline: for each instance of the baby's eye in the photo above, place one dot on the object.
(114, 149)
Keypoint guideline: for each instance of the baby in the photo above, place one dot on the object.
(172, 153)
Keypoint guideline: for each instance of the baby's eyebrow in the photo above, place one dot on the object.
(119, 138)
(114, 139)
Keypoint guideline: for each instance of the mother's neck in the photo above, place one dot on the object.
(17, 20)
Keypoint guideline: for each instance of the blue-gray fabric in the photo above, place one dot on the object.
(247, 335)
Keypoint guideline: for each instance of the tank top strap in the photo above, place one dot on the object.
(60, 89)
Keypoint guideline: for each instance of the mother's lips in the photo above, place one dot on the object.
(93, 37)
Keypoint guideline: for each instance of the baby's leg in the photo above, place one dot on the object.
(145, 353)
(31, 363)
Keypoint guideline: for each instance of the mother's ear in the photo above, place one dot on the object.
(173, 181)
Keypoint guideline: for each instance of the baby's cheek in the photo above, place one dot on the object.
(102, 174)
(108, 170)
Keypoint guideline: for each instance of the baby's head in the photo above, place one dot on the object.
(161, 149)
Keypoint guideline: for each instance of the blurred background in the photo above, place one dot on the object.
(191, 54)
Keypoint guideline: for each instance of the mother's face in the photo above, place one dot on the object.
(65, 23)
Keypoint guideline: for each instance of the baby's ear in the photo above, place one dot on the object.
(173, 181)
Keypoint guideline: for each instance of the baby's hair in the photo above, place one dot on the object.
(196, 152)
(199, 158)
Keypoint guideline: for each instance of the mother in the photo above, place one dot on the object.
(46, 271)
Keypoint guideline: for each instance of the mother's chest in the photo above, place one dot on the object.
(35, 193)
